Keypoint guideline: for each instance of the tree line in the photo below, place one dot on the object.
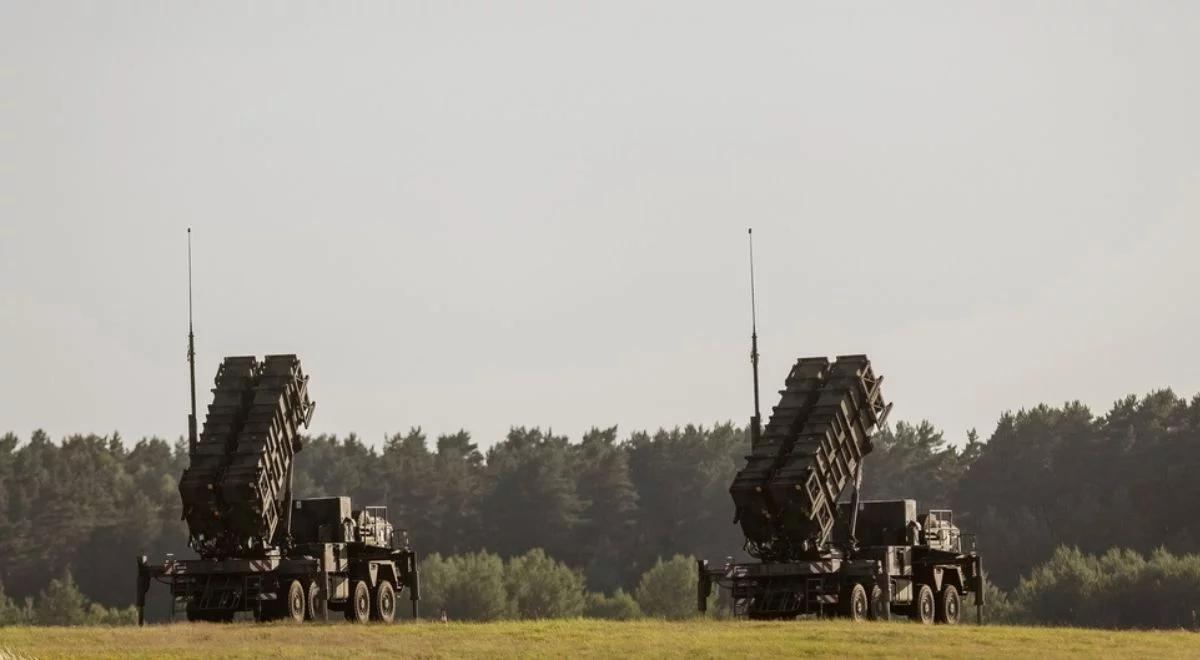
(611, 507)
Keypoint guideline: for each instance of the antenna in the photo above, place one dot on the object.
(756, 420)
(191, 354)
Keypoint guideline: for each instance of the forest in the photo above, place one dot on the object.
(1072, 510)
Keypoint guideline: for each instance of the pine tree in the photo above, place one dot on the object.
(530, 472)
(607, 525)
(407, 472)
(458, 482)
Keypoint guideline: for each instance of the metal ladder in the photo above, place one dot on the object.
(222, 592)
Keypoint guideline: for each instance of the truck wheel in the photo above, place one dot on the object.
(296, 601)
(878, 611)
(949, 606)
(318, 605)
(358, 607)
(854, 604)
(383, 605)
(923, 606)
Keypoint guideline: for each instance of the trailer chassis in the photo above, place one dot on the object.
(872, 583)
(215, 590)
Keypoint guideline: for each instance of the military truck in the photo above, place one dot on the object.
(818, 555)
(260, 549)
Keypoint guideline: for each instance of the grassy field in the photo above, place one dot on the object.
(591, 638)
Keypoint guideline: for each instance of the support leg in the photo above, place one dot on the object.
(885, 584)
(414, 589)
(143, 585)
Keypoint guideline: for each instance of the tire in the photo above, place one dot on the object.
(923, 607)
(358, 607)
(318, 605)
(295, 601)
(854, 604)
(383, 602)
(878, 610)
(949, 606)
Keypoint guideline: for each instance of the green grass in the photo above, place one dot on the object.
(590, 638)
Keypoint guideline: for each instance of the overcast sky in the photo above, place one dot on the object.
(479, 215)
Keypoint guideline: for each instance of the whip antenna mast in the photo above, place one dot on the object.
(756, 420)
(191, 354)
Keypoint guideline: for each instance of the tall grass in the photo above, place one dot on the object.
(588, 638)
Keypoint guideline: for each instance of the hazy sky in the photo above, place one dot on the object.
(477, 215)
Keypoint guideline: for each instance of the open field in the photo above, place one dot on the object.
(591, 638)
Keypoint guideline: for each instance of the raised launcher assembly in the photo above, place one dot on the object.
(817, 556)
(812, 447)
(237, 488)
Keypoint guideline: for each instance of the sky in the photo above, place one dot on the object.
(481, 215)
